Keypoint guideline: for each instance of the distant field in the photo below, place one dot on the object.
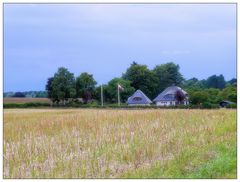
(25, 100)
(90, 143)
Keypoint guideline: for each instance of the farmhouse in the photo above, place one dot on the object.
(168, 97)
(138, 98)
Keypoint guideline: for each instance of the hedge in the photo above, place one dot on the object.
(26, 105)
(205, 105)
(231, 106)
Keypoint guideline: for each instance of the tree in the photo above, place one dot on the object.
(85, 85)
(216, 82)
(203, 83)
(142, 78)
(49, 88)
(194, 83)
(86, 96)
(168, 74)
(8, 94)
(62, 86)
(232, 81)
(40, 94)
(97, 93)
(179, 96)
(213, 95)
(199, 97)
(18, 94)
(229, 93)
(232, 97)
(110, 91)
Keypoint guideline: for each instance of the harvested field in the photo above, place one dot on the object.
(91, 143)
(25, 100)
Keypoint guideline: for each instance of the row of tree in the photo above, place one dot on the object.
(63, 85)
(31, 94)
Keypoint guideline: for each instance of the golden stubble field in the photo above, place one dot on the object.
(95, 143)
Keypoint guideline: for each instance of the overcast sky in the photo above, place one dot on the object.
(104, 39)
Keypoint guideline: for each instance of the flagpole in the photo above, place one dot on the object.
(101, 95)
(118, 96)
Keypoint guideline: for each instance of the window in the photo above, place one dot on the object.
(137, 98)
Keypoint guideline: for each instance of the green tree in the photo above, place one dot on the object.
(19, 94)
(203, 84)
(216, 82)
(232, 81)
(199, 97)
(97, 93)
(142, 78)
(213, 94)
(62, 85)
(229, 93)
(111, 90)
(85, 85)
(191, 90)
(40, 94)
(49, 89)
(168, 74)
(194, 83)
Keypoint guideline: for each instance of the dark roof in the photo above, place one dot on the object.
(227, 102)
(168, 94)
(139, 98)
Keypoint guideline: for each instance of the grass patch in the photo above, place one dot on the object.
(193, 165)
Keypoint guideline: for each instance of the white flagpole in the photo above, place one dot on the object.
(118, 96)
(101, 95)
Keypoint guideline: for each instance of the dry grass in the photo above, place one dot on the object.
(90, 143)
(25, 100)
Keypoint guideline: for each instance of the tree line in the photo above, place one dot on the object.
(30, 94)
(64, 86)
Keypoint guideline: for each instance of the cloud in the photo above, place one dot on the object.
(122, 15)
(104, 39)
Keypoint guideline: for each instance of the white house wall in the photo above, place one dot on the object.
(169, 103)
(139, 104)
(165, 103)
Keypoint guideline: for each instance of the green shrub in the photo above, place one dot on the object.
(231, 106)
(25, 105)
(95, 104)
(215, 106)
(207, 105)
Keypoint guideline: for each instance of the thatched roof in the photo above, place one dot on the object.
(168, 94)
(139, 98)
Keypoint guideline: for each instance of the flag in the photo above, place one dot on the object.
(120, 87)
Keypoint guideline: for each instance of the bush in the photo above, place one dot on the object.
(194, 106)
(207, 105)
(95, 104)
(25, 105)
(232, 106)
(215, 106)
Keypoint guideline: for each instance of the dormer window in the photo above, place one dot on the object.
(137, 98)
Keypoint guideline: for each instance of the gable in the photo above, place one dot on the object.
(139, 98)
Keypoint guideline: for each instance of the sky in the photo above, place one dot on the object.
(104, 39)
